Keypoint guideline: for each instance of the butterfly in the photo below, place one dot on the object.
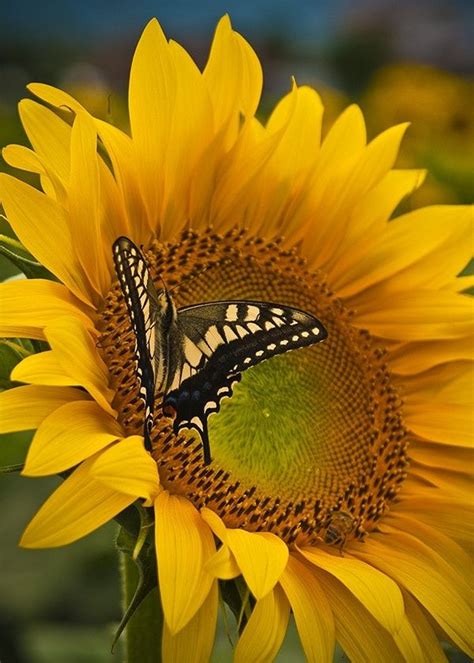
(194, 355)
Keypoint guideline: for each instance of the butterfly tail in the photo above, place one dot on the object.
(147, 428)
(206, 447)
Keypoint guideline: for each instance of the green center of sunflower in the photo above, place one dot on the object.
(311, 444)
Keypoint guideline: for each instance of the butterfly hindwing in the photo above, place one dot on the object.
(227, 338)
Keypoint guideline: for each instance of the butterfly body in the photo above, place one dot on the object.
(194, 355)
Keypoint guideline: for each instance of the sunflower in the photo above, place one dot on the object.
(339, 488)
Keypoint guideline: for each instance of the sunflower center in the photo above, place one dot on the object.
(311, 444)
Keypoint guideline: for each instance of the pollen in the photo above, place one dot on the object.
(311, 445)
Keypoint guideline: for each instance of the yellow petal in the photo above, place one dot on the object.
(438, 455)
(77, 354)
(42, 369)
(128, 468)
(188, 137)
(184, 543)
(415, 566)
(432, 650)
(346, 137)
(458, 562)
(233, 75)
(119, 146)
(215, 523)
(152, 92)
(370, 215)
(35, 218)
(301, 119)
(361, 637)
(332, 207)
(240, 176)
(440, 267)
(84, 203)
(29, 305)
(55, 97)
(264, 632)
(68, 436)
(452, 483)
(405, 252)
(297, 118)
(447, 383)
(313, 614)
(49, 135)
(222, 564)
(24, 408)
(416, 315)
(340, 151)
(80, 505)
(368, 222)
(194, 643)
(452, 516)
(445, 423)
(261, 556)
(23, 158)
(379, 594)
(408, 358)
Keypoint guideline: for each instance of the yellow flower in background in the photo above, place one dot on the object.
(361, 442)
(439, 106)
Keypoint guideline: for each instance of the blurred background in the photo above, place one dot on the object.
(400, 60)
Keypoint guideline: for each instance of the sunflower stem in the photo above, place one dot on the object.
(143, 630)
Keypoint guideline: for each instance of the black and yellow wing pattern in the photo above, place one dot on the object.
(196, 354)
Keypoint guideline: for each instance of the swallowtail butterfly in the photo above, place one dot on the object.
(194, 355)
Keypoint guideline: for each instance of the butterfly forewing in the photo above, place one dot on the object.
(136, 286)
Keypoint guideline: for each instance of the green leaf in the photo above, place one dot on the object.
(236, 594)
(11, 353)
(16, 253)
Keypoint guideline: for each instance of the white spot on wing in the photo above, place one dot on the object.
(252, 313)
(229, 334)
(232, 312)
(213, 338)
(197, 422)
(241, 331)
(192, 353)
(253, 327)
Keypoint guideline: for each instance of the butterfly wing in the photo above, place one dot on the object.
(220, 341)
(140, 295)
